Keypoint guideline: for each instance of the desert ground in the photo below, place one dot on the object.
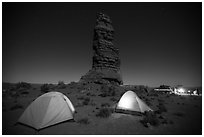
(173, 114)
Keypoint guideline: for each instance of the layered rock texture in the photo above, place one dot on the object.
(106, 61)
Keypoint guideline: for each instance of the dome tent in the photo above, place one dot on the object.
(132, 103)
(48, 109)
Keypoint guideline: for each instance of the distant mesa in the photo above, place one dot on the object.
(105, 60)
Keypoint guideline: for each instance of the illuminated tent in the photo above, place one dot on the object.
(131, 102)
(48, 109)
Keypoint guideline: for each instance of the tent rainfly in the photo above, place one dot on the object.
(48, 109)
(131, 102)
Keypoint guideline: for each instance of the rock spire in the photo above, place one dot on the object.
(105, 60)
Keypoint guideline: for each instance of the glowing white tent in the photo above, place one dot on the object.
(48, 109)
(131, 102)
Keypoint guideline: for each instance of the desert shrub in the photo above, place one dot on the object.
(153, 93)
(152, 98)
(113, 99)
(90, 94)
(104, 90)
(61, 85)
(81, 97)
(160, 100)
(14, 94)
(171, 122)
(83, 121)
(164, 120)
(104, 112)
(108, 90)
(148, 102)
(79, 104)
(144, 89)
(92, 103)
(167, 96)
(112, 90)
(93, 95)
(105, 105)
(179, 114)
(23, 85)
(151, 118)
(74, 85)
(86, 101)
(34, 88)
(161, 108)
(45, 88)
(102, 95)
(161, 117)
(25, 92)
(17, 106)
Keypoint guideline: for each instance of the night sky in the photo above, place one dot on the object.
(159, 43)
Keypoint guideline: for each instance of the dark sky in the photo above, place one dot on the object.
(160, 43)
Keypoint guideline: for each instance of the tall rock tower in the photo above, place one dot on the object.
(106, 61)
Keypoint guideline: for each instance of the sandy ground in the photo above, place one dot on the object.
(183, 112)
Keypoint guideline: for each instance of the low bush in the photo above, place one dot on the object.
(148, 103)
(81, 97)
(152, 98)
(90, 94)
(17, 106)
(153, 93)
(179, 114)
(151, 118)
(14, 94)
(167, 96)
(161, 108)
(105, 105)
(83, 121)
(86, 101)
(171, 122)
(113, 99)
(79, 104)
(92, 103)
(22, 85)
(160, 100)
(108, 90)
(75, 85)
(61, 85)
(25, 92)
(164, 120)
(104, 112)
(45, 88)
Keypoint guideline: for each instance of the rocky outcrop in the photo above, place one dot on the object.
(106, 61)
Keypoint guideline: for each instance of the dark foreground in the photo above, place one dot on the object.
(179, 115)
